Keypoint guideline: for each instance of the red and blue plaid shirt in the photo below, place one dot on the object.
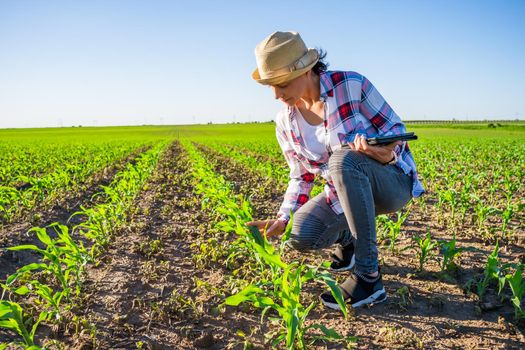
(352, 106)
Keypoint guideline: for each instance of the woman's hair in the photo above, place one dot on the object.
(321, 65)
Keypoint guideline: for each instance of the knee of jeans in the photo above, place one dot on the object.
(304, 234)
(299, 244)
(343, 159)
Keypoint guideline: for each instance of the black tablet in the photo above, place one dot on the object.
(383, 140)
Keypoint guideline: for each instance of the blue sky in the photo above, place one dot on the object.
(126, 62)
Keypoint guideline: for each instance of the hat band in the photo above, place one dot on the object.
(299, 64)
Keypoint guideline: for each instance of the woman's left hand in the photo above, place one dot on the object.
(383, 154)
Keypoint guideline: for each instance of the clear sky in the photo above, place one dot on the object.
(126, 62)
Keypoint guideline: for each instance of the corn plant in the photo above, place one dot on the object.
(508, 213)
(63, 258)
(65, 261)
(393, 228)
(483, 212)
(12, 317)
(450, 196)
(465, 197)
(491, 271)
(511, 186)
(449, 253)
(425, 248)
(517, 285)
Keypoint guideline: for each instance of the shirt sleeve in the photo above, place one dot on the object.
(301, 180)
(375, 108)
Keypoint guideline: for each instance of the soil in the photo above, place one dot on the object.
(150, 292)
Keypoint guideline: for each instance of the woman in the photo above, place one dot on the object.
(324, 110)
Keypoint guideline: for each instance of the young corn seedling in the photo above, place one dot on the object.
(63, 259)
(492, 271)
(507, 214)
(449, 253)
(450, 196)
(12, 318)
(511, 186)
(465, 197)
(517, 285)
(426, 246)
(483, 212)
(394, 228)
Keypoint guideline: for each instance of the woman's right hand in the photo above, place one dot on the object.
(273, 227)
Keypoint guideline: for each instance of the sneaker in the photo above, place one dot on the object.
(343, 259)
(358, 290)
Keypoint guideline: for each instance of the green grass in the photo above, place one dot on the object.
(81, 134)
(230, 132)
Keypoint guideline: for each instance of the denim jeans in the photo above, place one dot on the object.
(365, 188)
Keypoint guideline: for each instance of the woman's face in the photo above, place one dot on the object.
(291, 91)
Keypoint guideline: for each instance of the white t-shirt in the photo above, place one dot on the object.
(313, 136)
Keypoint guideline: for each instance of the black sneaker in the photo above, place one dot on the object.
(343, 259)
(358, 290)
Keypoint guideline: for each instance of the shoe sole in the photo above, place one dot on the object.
(376, 298)
(345, 268)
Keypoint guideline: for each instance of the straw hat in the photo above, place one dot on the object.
(281, 57)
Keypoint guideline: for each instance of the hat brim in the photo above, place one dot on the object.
(288, 76)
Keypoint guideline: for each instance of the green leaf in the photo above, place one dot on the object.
(26, 268)
(44, 237)
(23, 290)
(10, 324)
(244, 295)
(26, 247)
(336, 291)
(329, 333)
(278, 339)
(291, 329)
(41, 317)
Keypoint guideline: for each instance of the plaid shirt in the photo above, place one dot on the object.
(352, 106)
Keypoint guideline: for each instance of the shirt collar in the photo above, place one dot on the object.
(326, 86)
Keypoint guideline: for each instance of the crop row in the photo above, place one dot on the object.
(47, 292)
(25, 189)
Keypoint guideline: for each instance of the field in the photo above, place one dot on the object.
(134, 238)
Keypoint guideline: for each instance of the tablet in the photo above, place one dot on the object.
(383, 140)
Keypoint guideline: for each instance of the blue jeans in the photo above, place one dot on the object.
(365, 188)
